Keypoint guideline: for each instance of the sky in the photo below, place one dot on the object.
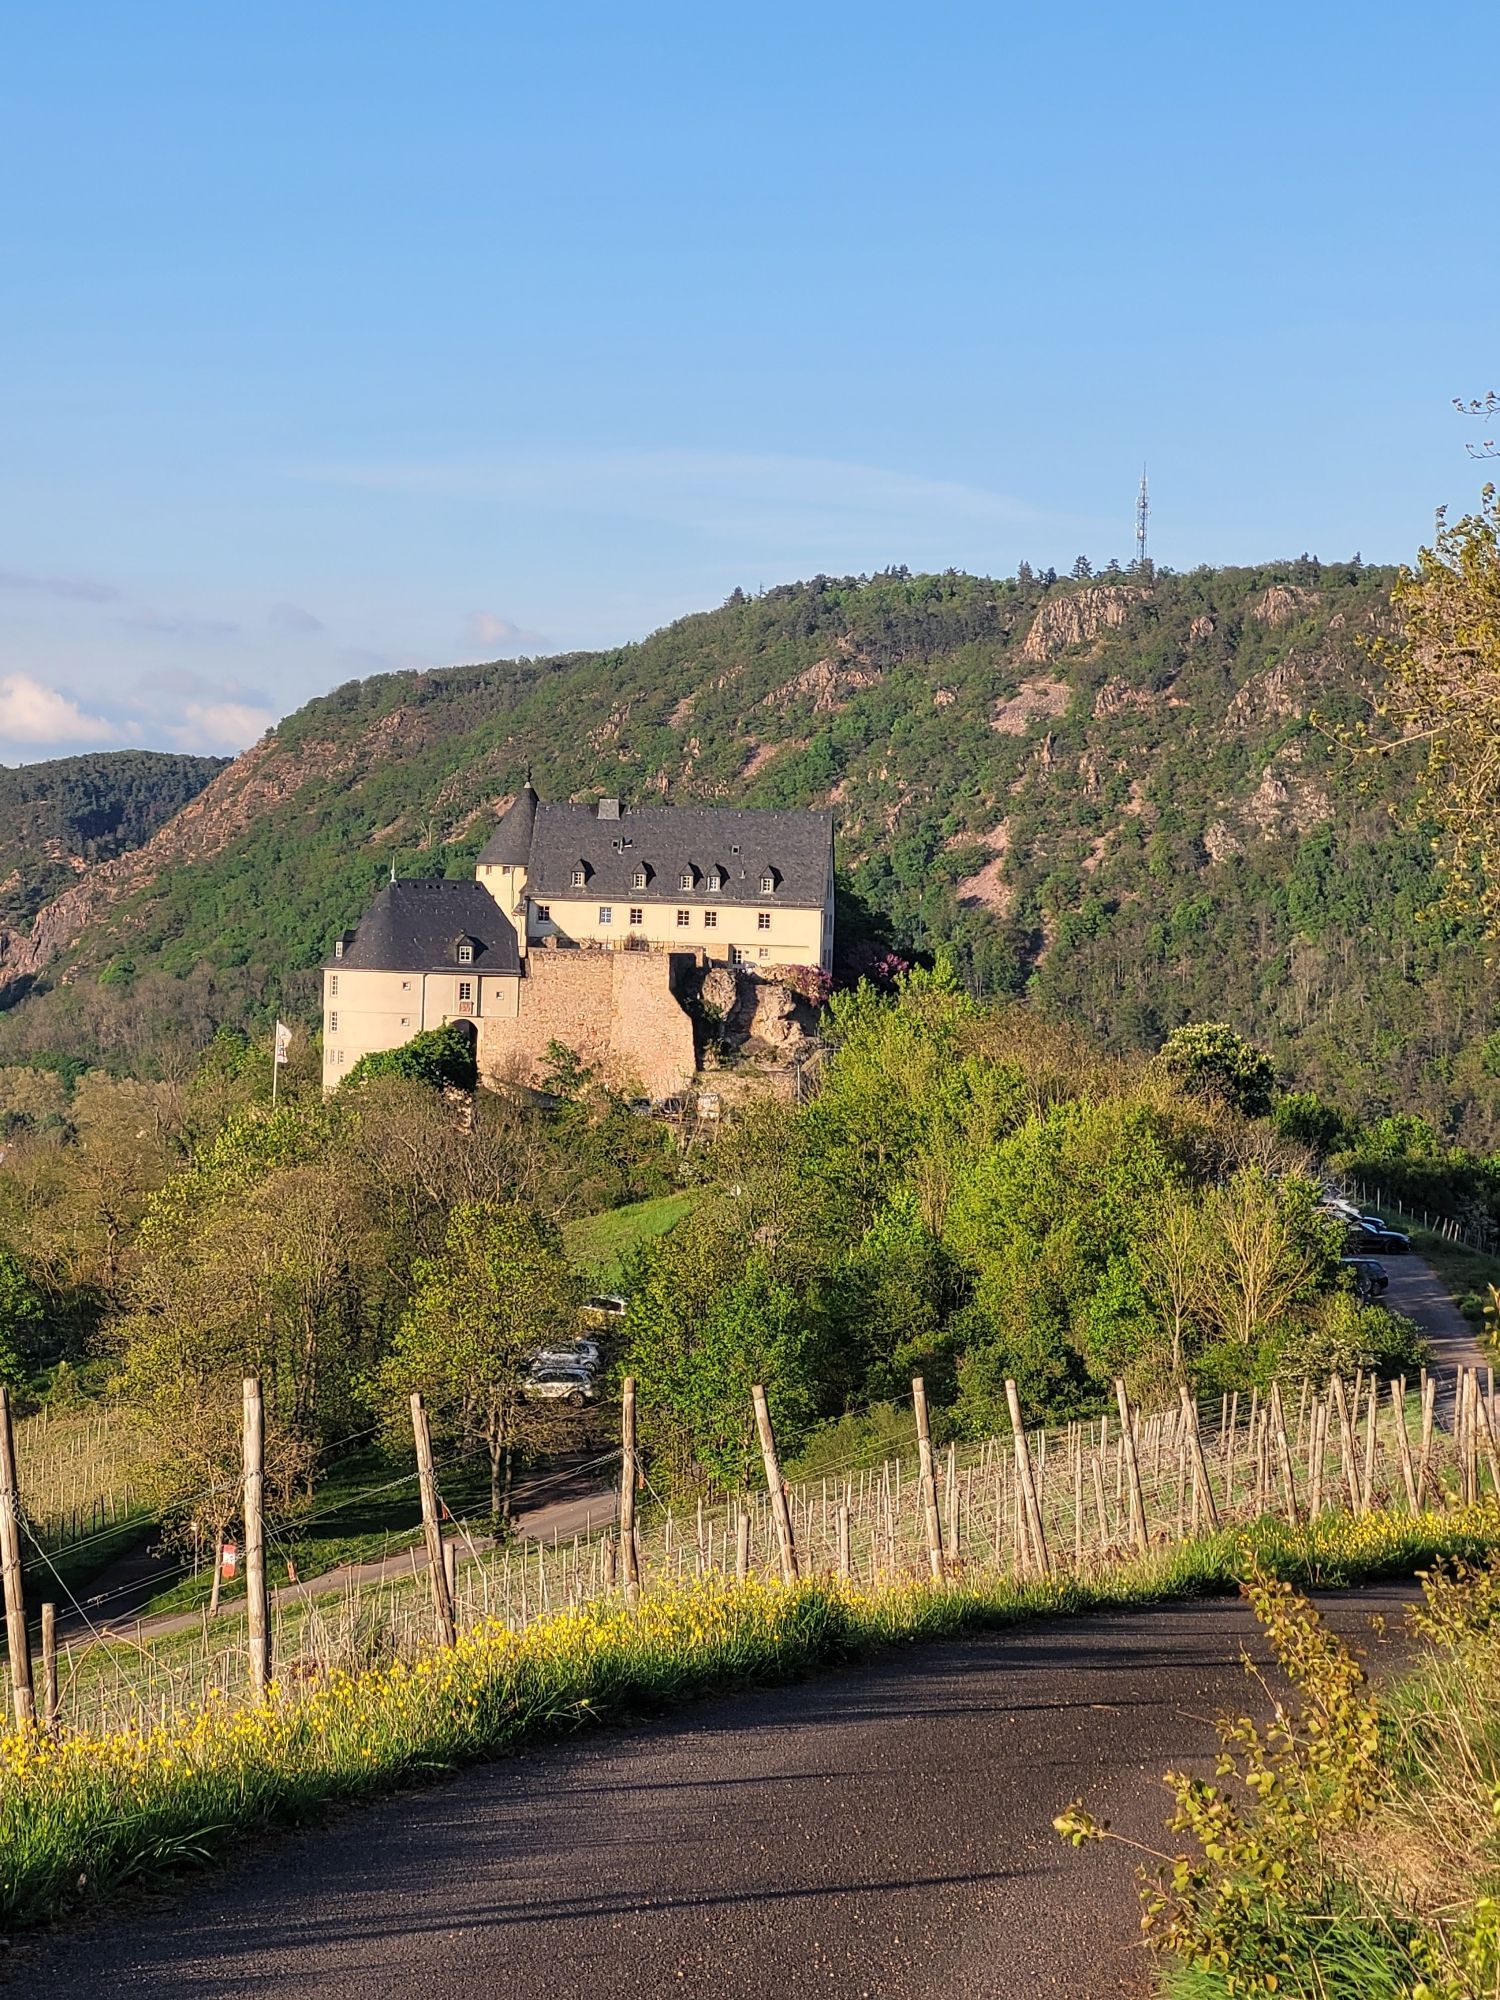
(358, 337)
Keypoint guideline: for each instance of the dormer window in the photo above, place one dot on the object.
(640, 875)
(338, 949)
(580, 874)
(687, 878)
(465, 952)
(715, 879)
(768, 881)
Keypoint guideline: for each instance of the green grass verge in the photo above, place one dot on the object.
(1467, 1274)
(85, 1817)
(365, 1509)
(601, 1245)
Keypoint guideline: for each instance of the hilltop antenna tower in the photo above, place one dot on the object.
(1142, 516)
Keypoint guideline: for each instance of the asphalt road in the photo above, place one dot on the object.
(879, 1831)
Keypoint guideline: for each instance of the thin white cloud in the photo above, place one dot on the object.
(32, 712)
(72, 589)
(292, 618)
(174, 626)
(729, 496)
(501, 635)
(217, 727)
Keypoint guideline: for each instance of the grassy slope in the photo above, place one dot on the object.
(601, 1245)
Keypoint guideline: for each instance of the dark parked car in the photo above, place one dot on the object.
(1370, 1233)
(1370, 1276)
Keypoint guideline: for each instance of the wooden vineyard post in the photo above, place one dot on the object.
(629, 1568)
(1132, 1469)
(1372, 1418)
(931, 1519)
(1284, 1454)
(1429, 1404)
(1315, 1424)
(1346, 1442)
(1486, 1435)
(742, 1545)
(257, 1598)
(1203, 1491)
(843, 1539)
(442, 1601)
(49, 1665)
(450, 1575)
(1403, 1444)
(17, 1638)
(1035, 1534)
(776, 1492)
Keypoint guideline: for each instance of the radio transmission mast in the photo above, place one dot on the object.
(1142, 515)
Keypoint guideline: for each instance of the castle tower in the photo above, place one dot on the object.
(505, 859)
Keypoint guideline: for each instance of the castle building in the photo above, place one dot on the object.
(588, 925)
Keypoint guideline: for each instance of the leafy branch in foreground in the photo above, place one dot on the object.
(1308, 1876)
(1443, 690)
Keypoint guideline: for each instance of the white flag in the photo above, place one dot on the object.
(283, 1042)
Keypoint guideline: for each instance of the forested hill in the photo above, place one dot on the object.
(60, 817)
(1105, 791)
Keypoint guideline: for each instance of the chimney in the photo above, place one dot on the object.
(609, 809)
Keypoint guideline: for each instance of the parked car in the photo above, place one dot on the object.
(1370, 1276)
(571, 1354)
(559, 1382)
(1334, 1203)
(602, 1308)
(1370, 1233)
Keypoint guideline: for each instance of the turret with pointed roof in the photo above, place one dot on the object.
(509, 846)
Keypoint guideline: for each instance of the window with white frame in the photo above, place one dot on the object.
(333, 986)
(544, 913)
(684, 918)
(685, 879)
(765, 951)
(768, 883)
(333, 1023)
(580, 876)
(465, 992)
(637, 916)
(710, 920)
(715, 880)
(466, 954)
(763, 920)
(606, 913)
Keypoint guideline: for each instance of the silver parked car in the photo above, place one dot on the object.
(559, 1382)
(571, 1354)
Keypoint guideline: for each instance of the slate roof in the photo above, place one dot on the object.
(738, 841)
(510, 844)
(417, 926)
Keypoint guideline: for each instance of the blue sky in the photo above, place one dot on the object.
(351, 337)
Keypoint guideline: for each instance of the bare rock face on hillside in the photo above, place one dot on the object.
(1076, 619)
(1285, 689)
(1283, 604)
(1035, 701)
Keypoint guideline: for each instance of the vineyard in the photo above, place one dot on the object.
(1075, 1501)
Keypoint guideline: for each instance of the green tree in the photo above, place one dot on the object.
(442, 1057)
(21, 1317)
(500, 1288)
(1443, 693)
(1208, 1059)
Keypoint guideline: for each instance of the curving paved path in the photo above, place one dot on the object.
(879, 1833)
